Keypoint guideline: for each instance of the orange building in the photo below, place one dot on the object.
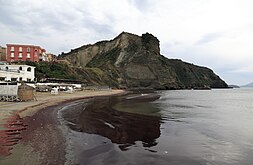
(25, 53)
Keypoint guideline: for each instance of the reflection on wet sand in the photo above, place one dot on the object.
(122, 128)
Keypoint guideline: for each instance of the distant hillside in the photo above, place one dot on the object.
(135, 62)
(248, 85)
(233, 86)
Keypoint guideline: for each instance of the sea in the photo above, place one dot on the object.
(178, 127)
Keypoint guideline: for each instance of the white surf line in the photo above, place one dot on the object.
(137, 96)
(110, 125)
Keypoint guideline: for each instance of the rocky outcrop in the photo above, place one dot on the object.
(83, 55)
(135, 61)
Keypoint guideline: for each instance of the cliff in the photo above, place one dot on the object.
(135, 62)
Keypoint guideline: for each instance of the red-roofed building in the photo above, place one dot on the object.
(25, 53)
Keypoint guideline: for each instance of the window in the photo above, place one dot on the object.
(28, 80)
(12, 48)
(29, 69)
(12, 54)
(6, 68)
(20, 49)
(13, 79)
(28, 49)
(20, 55)
(2, 78)
(20, 78)
(20, 68)
(28, 55)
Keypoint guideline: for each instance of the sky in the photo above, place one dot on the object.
(217, 34)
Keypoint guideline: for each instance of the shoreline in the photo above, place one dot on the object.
(22, 125)
(102, 133)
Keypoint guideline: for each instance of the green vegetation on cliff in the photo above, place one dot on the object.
(88, 76)
(52, 70)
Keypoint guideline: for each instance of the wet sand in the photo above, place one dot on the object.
(29, 131)
(99, 133)
(99, 117)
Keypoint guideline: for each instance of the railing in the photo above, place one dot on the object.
(11, 70)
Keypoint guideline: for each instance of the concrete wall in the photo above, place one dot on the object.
(6, 89)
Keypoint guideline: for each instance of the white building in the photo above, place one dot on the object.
(17, 73)
(43, 57)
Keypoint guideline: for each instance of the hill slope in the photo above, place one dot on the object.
(135, 62)
(248, 85)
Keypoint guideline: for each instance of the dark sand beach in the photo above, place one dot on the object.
(181, 127)
(31, 132)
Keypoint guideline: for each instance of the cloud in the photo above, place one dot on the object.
(247, 69)
(142, 5)
(213, 33)
(211, 37)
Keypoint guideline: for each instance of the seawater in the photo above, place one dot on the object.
(180, 127)
(209, 127)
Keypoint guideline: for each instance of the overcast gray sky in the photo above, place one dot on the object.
(213, 33)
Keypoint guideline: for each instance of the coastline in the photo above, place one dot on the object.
(27, 128)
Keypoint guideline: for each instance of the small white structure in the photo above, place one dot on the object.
(8, 91)
(54, 91)
(69, 90)
(17, 73)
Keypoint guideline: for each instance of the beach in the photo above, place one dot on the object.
(30, 132)
(95, 127)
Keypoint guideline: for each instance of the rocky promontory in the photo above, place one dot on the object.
(134, 61)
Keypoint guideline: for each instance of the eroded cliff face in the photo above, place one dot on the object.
(80, 57)
(135, 62)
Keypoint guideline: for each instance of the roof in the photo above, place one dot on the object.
(24, 45)
(19, 65)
